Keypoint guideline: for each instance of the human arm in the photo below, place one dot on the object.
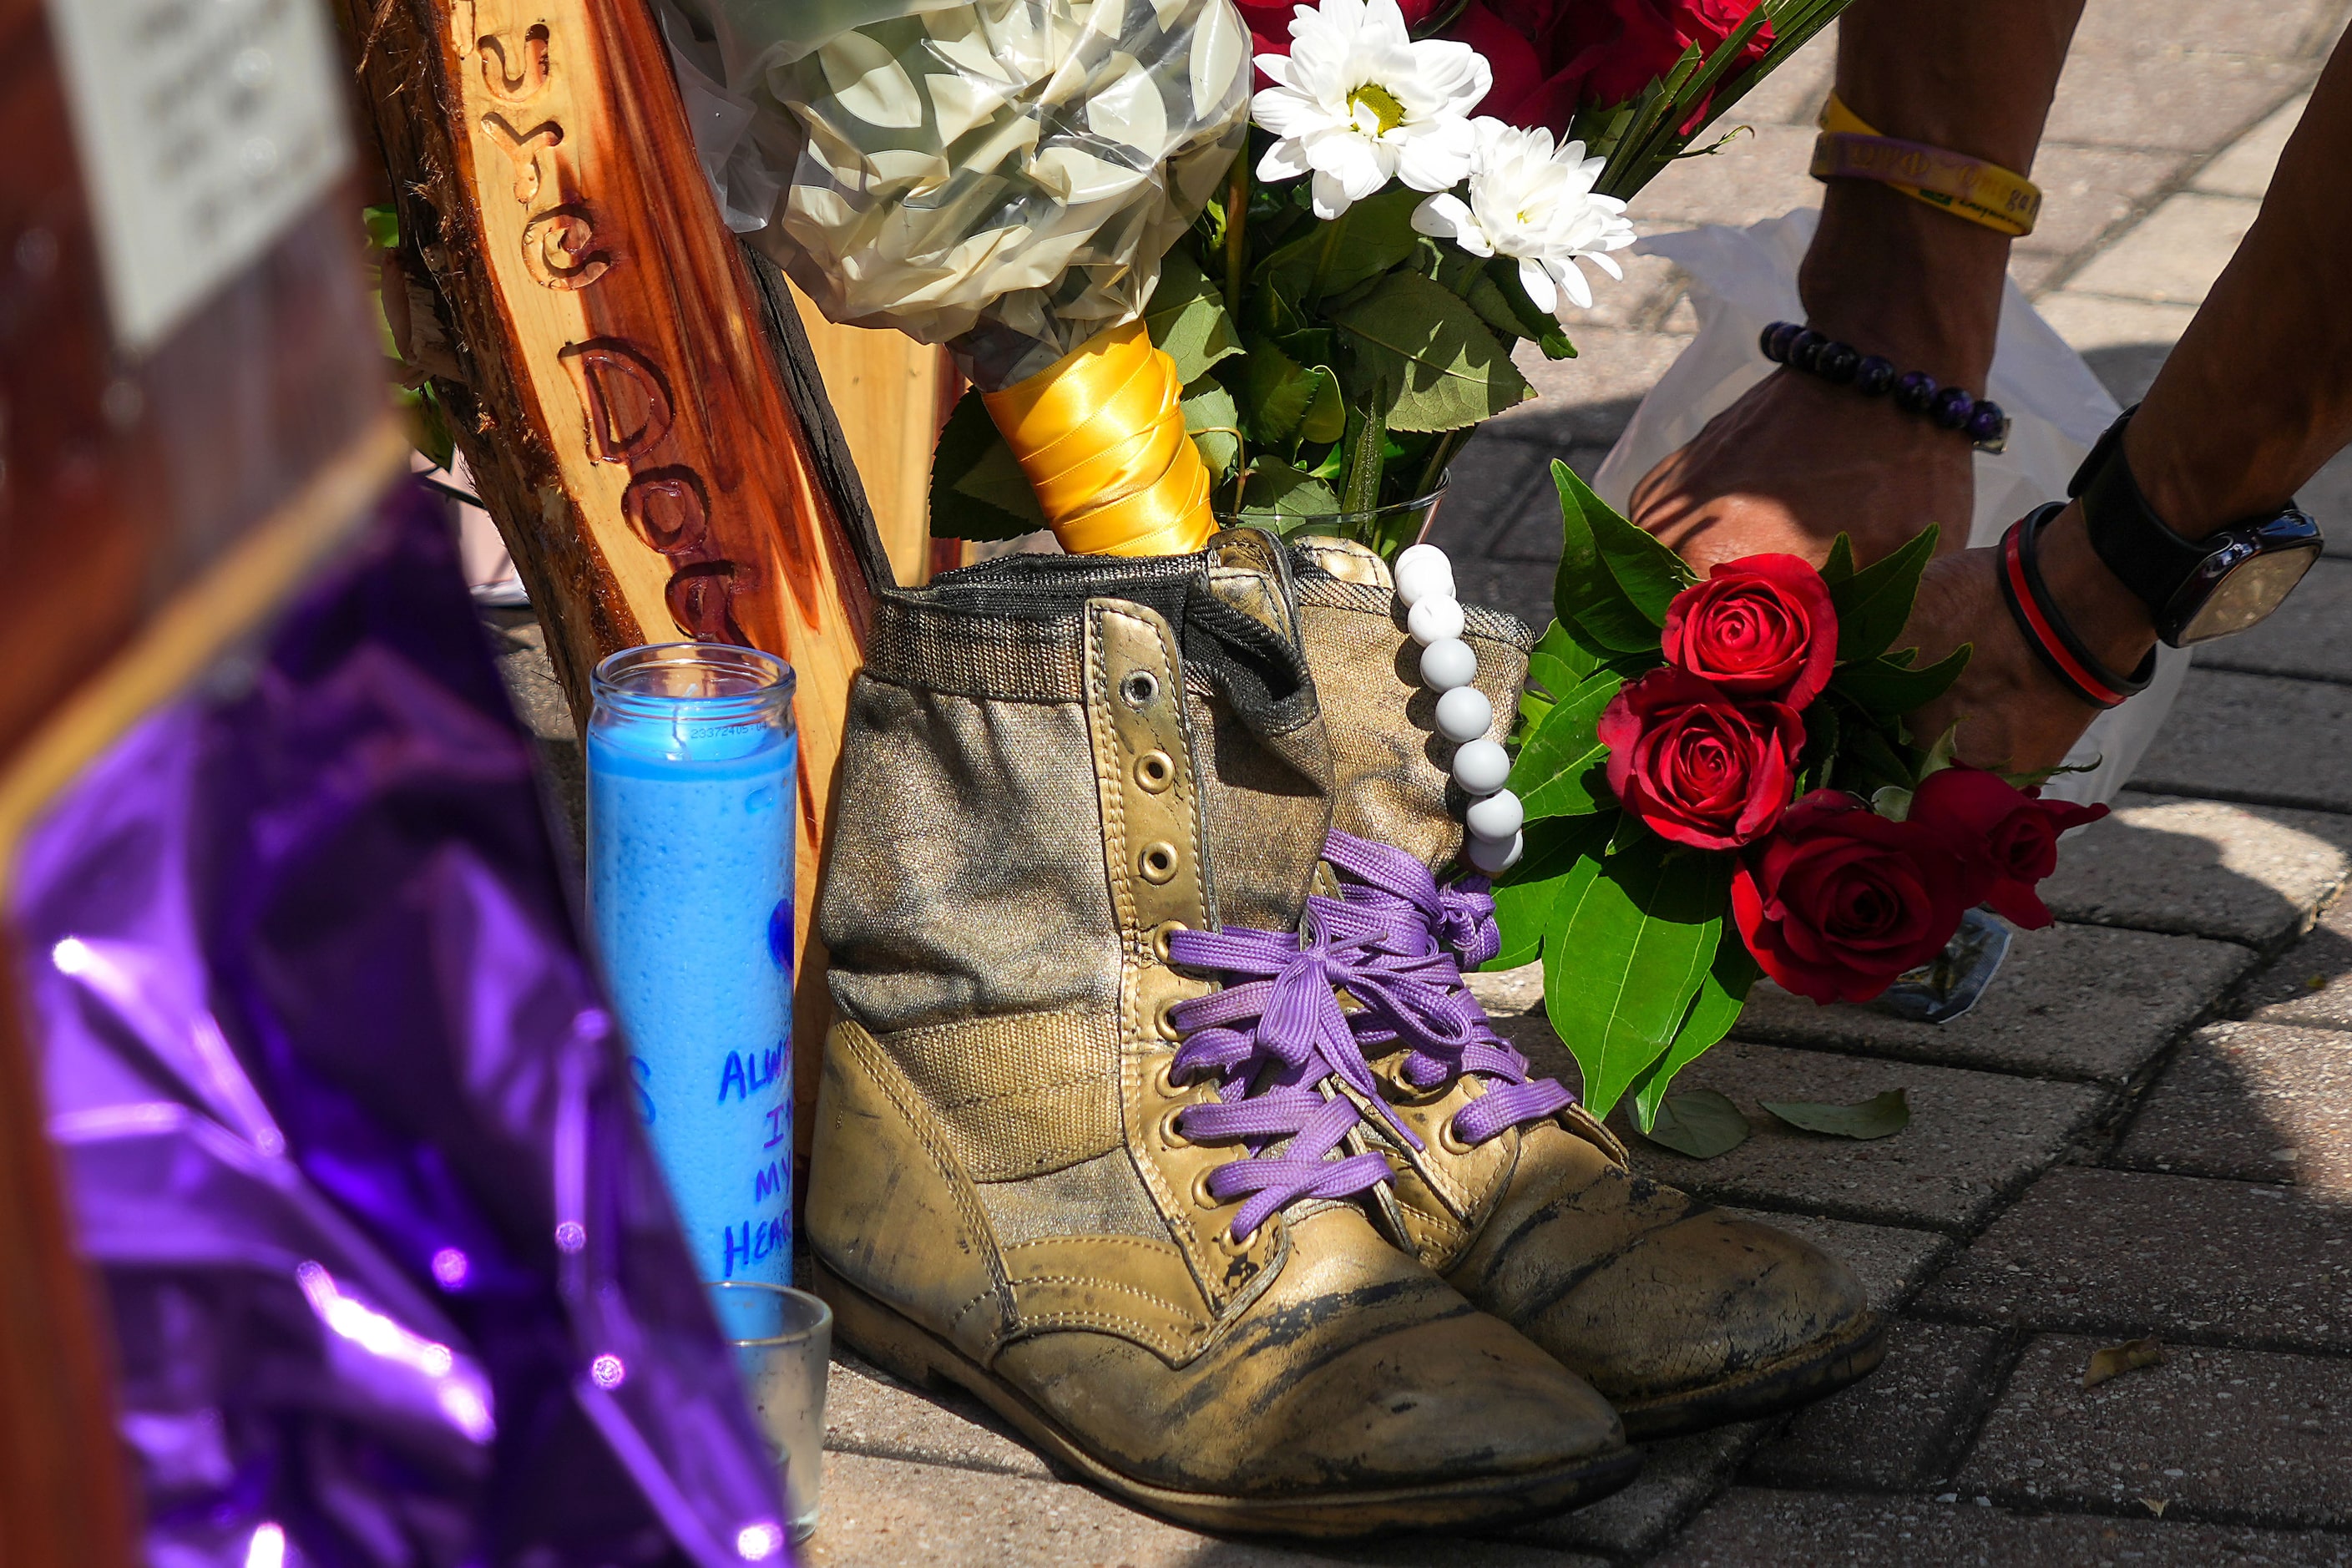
(1797, 461)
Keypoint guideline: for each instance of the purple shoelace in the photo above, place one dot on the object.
(1411, 984)
(1271, 1038)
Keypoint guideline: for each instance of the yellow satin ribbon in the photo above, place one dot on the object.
(1100, 434)
(1984, 194)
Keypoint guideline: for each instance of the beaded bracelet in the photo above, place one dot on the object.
(1915, 392)
(1424, 584)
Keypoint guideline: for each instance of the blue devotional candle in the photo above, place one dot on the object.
(691, 754)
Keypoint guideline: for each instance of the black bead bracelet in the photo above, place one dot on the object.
(1981, 419)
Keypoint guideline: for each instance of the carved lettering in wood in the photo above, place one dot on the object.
(514, 75)
(555, 247)
(523, 148)
(625, 395)
(666, 508)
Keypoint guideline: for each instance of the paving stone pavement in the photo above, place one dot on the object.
(2142, 1129)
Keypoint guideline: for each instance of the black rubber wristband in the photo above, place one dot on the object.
(2047, 631)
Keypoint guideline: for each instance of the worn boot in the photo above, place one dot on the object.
(1683, 1316)
(1120, 1204)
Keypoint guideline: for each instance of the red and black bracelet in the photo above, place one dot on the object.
(2047, 631)
(1981, 419)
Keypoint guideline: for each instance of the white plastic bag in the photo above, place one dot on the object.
(1744, 279)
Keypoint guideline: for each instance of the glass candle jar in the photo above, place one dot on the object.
(691, 805)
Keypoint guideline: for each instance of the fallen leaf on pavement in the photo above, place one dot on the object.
(2114, 1361)
(2154, 1505)
(1880, 1116)
(1700, 1123)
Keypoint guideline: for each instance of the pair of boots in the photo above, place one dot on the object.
(1156, 1115)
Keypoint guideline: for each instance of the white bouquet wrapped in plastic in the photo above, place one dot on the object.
(1002, 177)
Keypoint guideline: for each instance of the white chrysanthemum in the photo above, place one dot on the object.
(1534, 204)
(1358, 103)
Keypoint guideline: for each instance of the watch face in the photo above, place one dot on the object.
(2249, 589)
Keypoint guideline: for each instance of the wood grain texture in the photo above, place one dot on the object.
(886, 390)
(643, 423)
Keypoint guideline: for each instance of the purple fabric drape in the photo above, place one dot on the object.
(392, 1273)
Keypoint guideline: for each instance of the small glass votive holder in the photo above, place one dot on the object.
(783, 1343)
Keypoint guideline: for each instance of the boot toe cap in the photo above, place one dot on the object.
(1708, 1298)
(1448, 1399)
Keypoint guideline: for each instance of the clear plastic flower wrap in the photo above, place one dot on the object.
(1002, 177)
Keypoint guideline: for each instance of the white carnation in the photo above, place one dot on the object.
(1358, 103)
(1533, 203)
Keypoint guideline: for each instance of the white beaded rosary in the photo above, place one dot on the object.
(1424, 581)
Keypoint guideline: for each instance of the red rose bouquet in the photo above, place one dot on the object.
(1717, 783)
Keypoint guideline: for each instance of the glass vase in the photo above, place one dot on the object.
(691, 806)
(1388, 530)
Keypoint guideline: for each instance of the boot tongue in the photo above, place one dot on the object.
(1391, 780)
(1259, 745)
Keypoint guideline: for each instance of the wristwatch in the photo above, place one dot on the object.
(2195, 590)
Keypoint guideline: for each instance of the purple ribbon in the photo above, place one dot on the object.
(1403, 925)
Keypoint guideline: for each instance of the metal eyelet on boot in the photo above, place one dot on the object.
(1154, 771)
(1163, 1081)
(1157, 864)
(1163, 1023)
(1139, 688)
(1160, 935)
(1170, 1132)
(1450, 1141)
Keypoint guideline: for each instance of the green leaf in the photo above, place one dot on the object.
(1867, 760)
(382, 226)
(1210, 415)
(1283, 497)
(1890, 689)
(1283, 398)
(1712, 1013)
(1188, 319)
(1359, 490)
(1625, 954)
(1377, 234)
(1525, 895)
(1823, 732)
(428, 425)
(1649, 574)
(1559, 663)
(1562, 771)
(1492, 287)
(1440, 366)
(1880, 1116)
(1840, 565)
(1585, 595)
(978, 491)
(1874, 603)
(1698, 1122)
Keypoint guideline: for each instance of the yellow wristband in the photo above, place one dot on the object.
(1970, 188)
(1100, 435)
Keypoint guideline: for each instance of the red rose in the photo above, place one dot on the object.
(1601, 52)
(2011, 835)
(1759, 627)
(1697, 766)
(1840, 900)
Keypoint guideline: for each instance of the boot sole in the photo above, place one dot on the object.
(915, 1355)
(1798, 1378)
